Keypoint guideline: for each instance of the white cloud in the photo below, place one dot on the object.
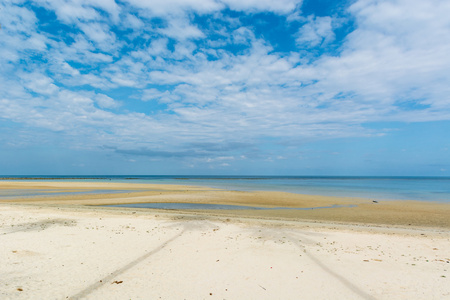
(74, 11)
(243, 35)
(71, 11)
(131, 21)
(176, 7)
(158, 47)
(154, 94)
(317, 31)
(106, 102)
(18, 33)
(38, 83)
(393, 56)
(181, 29)
(17, 19)
(100, 34)
(278, 6)
(109, 6)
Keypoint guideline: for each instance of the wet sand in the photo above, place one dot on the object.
(65, 247)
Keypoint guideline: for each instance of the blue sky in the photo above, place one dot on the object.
(238, 87)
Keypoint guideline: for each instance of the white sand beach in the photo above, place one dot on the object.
(54, 249)
(80, 253)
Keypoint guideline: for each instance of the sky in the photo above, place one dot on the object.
(225, 87)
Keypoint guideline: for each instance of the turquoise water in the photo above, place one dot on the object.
(376, 188)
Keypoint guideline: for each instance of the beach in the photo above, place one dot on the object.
(65, 246)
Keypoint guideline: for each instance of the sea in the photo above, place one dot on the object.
(433, 189)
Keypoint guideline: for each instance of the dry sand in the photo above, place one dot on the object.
(59, 247)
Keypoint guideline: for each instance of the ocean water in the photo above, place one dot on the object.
(375, 188)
